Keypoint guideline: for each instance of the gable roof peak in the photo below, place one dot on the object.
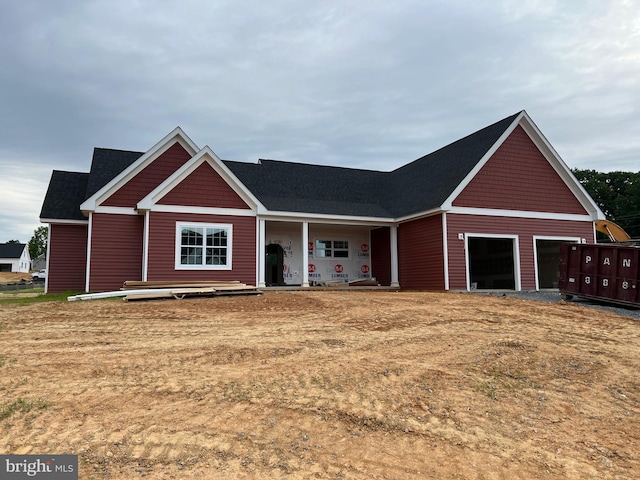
(94, 195)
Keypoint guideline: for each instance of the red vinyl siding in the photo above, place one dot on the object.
(67, 258)
(525, 228)
(116, 250)
(381, 255)
(420, 254)
(204, 188)
(149, 178)
(519, 177)
(162, 248)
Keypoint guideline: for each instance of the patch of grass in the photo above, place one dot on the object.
(488, 389)
(22, 405)
(4, 360)
(48, 297)
(29, 290)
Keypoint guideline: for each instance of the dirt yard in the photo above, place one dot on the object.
(339, 385)
(14, 277)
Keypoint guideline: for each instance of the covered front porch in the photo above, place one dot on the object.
(319, 253)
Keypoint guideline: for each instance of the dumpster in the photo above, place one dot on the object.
(606, 272)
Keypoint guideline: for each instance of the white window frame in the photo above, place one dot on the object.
(219, 226)
(333, 249)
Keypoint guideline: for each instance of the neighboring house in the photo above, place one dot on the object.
(14, 257)
(40, 262)
(487, 211)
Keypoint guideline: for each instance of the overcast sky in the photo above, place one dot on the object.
(366, 84)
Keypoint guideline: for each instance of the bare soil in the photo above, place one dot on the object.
(348, 385)
(14, 277)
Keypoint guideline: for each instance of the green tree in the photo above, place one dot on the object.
(38, 243)
(13, 241)
(617, 194)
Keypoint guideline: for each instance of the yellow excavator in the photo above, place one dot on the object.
(615, 232)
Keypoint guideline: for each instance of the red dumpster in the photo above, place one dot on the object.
(607, 272)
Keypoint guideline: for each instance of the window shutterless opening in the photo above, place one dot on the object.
(203, 246)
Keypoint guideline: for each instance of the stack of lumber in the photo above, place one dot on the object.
(136, 290)
(363, 282)
(181, 289)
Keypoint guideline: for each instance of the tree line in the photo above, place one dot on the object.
(617, 194)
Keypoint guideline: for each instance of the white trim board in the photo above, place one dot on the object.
(207, 155)
(535, 250)
(550, 155)
(177, 135)
(517, 272)
(489, 212)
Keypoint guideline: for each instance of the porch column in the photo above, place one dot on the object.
(145, 246)
(305, 254)
(262, 254)
(393, 240)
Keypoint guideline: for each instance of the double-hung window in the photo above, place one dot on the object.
(331, 248)
(202, 246)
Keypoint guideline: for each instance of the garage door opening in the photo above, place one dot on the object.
(548, 262)
(491, 263)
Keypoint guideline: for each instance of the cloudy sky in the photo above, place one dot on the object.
(362, 83)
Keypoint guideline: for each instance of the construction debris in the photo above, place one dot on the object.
(138, 290)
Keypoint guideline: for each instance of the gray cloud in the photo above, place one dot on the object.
(366, 84)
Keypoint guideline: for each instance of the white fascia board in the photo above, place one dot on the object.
(205, 155)
(236, 212)
(490, 212)
(416, 216)
(547, 151)
(448, 203)
(116, 210)
(176, 135)
(561, 167)
(325, 218)
(61, 221)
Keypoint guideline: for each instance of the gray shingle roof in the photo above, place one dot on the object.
(427, 182)
(67, 190)
(300, 187)
(65, 194)
(106, 165)
(11, 250)
(421, 185)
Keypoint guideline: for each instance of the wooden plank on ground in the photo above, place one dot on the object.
(192, 291)
(147, 296)
(136, 285)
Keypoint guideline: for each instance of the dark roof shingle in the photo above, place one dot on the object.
(421, 185)
(67, 190)
(106, 165)
(65, 194)
(11, 250)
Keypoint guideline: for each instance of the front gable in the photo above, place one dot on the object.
(144, 174)
(204, 187)
(522, 174)
(149, 178)
(519, 177)
(202, 183)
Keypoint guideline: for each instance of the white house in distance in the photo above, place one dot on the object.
(14, 257)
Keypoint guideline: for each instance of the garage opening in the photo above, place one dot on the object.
(548, 254)
(5, 267)
(491, 263)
